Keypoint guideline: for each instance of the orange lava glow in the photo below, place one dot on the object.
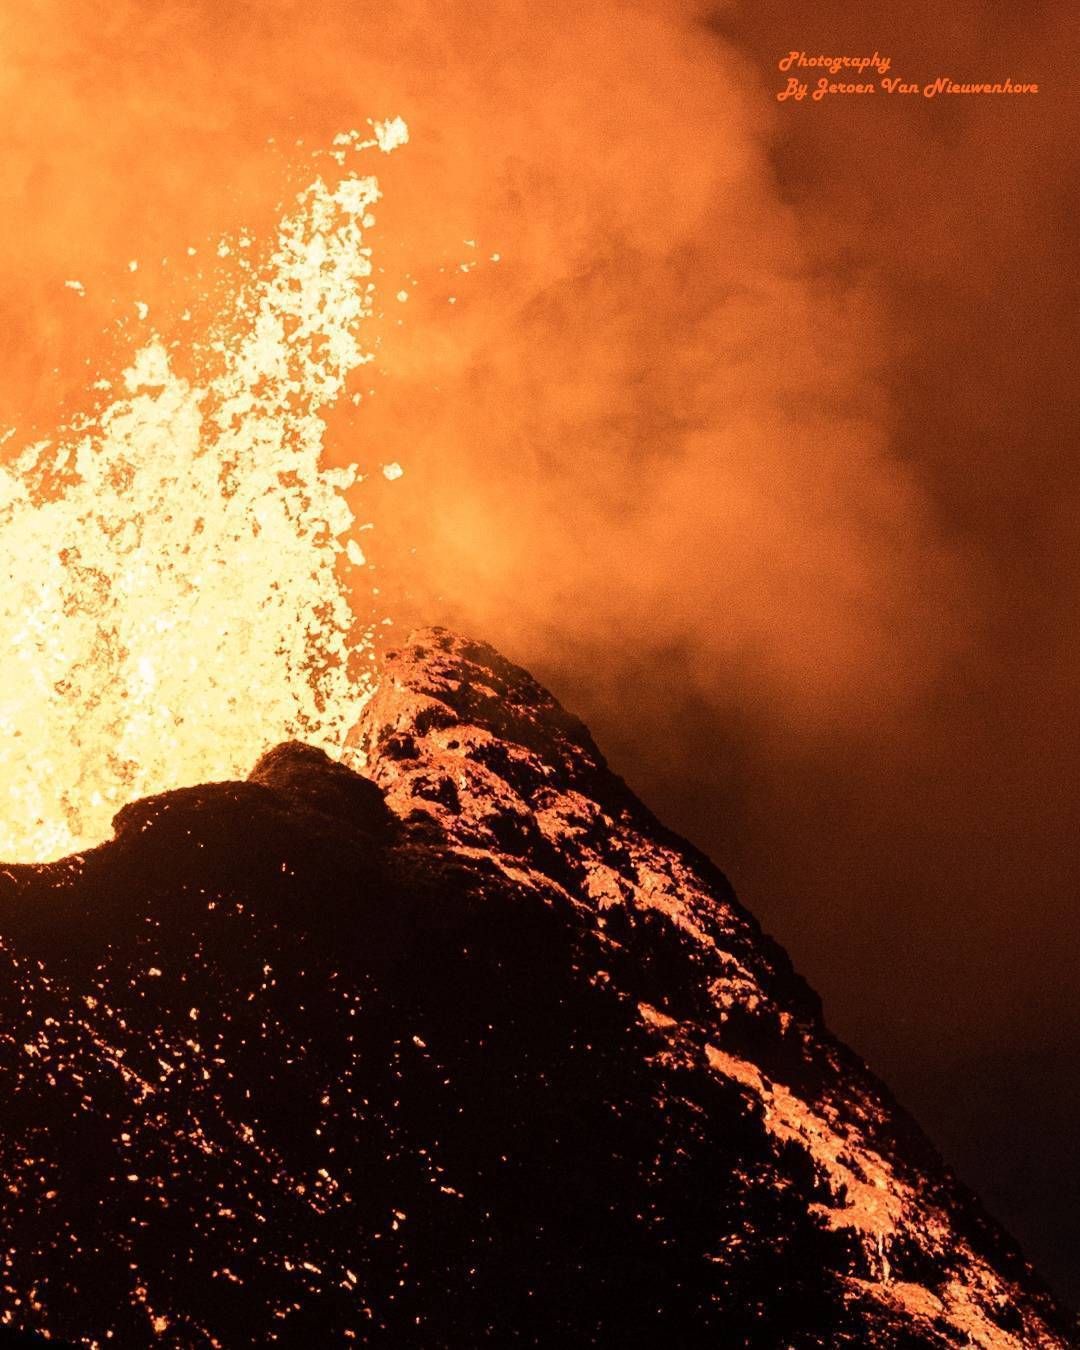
(636, 415)
(752, 432)
(175, 596)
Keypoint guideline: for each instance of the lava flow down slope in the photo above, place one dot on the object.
(460, 1047)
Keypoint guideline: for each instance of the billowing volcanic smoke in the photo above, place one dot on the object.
(656, 370)
(173, 597)
(623, 388)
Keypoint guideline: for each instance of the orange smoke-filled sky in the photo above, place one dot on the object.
(756, 441)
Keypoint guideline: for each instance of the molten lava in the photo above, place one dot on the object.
(174, 594)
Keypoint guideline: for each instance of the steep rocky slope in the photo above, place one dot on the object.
(471, 1050)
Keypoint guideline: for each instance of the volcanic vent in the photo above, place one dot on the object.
(470, 1051)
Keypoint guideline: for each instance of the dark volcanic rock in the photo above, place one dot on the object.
(310, 781)
(473, 1052)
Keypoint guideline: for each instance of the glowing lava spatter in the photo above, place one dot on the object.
(173, 600)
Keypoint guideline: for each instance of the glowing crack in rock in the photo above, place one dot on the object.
(173, 598)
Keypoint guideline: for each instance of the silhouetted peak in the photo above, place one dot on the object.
(463, 1048)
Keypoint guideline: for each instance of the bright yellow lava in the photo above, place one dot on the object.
(172, 599)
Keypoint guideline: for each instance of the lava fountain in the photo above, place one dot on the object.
(175, 564)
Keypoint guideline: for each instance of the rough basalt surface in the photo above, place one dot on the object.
(467, 1049)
